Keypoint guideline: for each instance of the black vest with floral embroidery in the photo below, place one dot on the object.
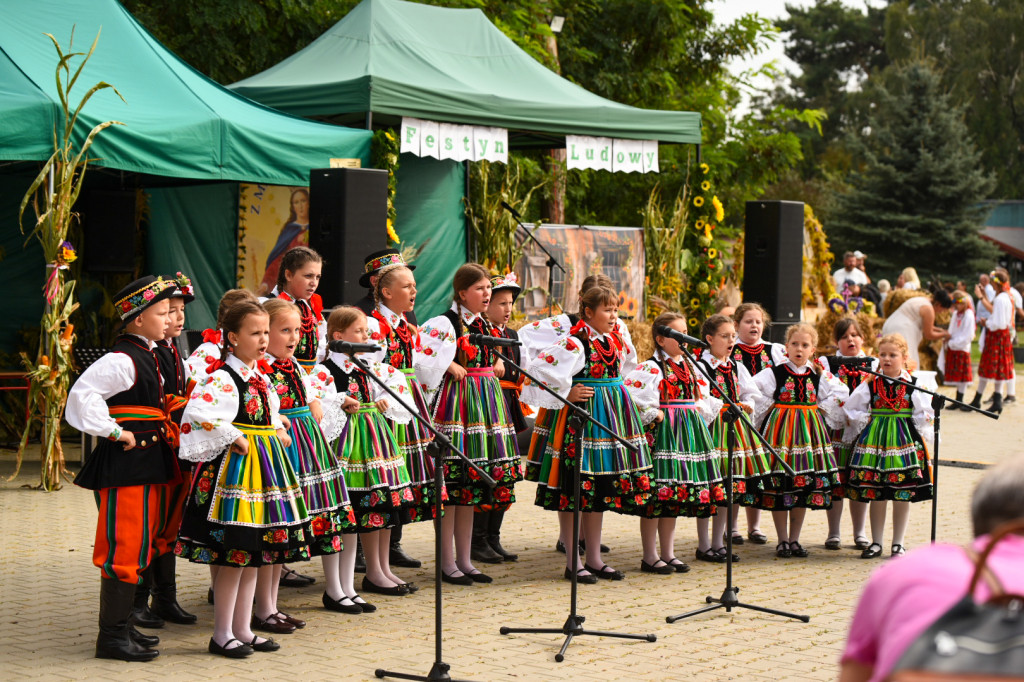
(754, 358)
(846, 370)
(595, 367)
(725, 378)
(677, 380)
(483, 356)
(253, 399)
(354, 383)
(795, 389)
(288, 374)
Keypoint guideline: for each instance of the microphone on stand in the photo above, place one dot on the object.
(485, 340)
(515, 213)
(352, 348)
(679, 337)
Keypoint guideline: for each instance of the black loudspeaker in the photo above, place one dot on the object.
(108, 224)
(773, 261)
(348, 212)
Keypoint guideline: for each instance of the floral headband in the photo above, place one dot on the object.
(184, 285)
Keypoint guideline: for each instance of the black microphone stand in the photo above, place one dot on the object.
(938, 402)
(573, 626)
(436, 448)
(729, 599)
(552, 262)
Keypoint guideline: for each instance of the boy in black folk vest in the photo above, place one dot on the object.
(120, 399)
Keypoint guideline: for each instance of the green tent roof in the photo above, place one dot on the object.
(178, 122)
(405, 59)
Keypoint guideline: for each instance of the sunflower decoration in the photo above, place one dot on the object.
(628, 306)
(704, 272)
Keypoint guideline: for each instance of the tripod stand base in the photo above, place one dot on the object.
(730, 601)
(438, 673)
(574, 628)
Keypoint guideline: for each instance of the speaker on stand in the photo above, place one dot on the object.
(773, 261)
(348, 210)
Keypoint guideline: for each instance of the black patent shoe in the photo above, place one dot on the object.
(581, 577)
(479, 577)
(678, 566)
(708, 556)
(396, 591)
(266, 645)
(722, 553)
(583, 547)
(663, 569)
(861, 542)
(290, 578)
(366, 606)
(343, 605)
(797, 550)
(560, 547)
(782, 550)
(243, 650)
(456, 579)
(833, 542)
(606, 572)
(873, 551)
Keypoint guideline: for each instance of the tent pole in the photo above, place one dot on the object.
(369, 120)
(698, 155)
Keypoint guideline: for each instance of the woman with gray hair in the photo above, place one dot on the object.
(905, 596)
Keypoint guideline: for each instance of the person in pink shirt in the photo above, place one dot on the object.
(909, 593)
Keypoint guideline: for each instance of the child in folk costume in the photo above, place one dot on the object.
(321, 477)
(955, 356)
(890, 456)
(844, 366)
(587, 367)
(750, 463)
(997, 355)
(375, 473)
(487, 519)
(209, 351)
(177, 388)
(246, 508)
(755, 354)
(119, 399)
(395, 293)
(801, 403)
(297, 281)
(535, 337)
(468, 407)
(687, 481)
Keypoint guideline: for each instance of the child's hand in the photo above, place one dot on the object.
(241, 445)
(383, 404)
(746, 408)
(350, 405)
(660, 417)
(286, 440)
(317, 410)
(285, 422)
(457, 371)
(128, 438)
(579, 393)
(499, 368)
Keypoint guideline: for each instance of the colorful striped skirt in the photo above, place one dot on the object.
(997, 356)
(750, 463)
(539, 442)
(321, 479)
(889, 461)
(686, 479)
(612, 477)
(413, 440)
(798, 433)
(375, 474)
(473, 415)
(246, 510)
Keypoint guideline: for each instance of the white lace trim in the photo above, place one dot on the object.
(208, 449)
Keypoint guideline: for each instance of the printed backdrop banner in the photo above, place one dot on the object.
(271, 220)
(453, 141)
(617, 252)
(605, 153)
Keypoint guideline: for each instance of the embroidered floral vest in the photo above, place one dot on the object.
(847, 372)
(891, 396)
(474, 355)
(354, 383)
(253, 399)
(795, 389)
(398, 344)
(309, 335)
(725, 378)
(754, 358)
(677, 381)
(287, 382)
(597, 354)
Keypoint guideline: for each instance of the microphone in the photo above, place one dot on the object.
(854, 362)
(485, 340)
(511, 210)
(352, 348)
(679, 337)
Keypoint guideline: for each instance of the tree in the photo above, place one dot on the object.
(915, 201)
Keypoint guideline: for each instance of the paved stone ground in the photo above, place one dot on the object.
(50, 592)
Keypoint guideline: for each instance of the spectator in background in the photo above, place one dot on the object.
(908, 279)
(883, 289)
(982, 289)
(860, 264)
(849, 271)
(906, 595)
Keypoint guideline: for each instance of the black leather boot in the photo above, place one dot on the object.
(397, 556)
(165, 591)
(494, 535)
(997, 403)
(148, 641)
(114, 640)
(481, 549)
(141, 615)
(977, 400)
(360, 559)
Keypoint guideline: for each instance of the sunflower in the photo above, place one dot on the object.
(693, 322)
(698, 201)
(704, 168)
(694, 302)
(705, 185)
(392, 235)
(699, 224)
(719, 209)
(712, 253)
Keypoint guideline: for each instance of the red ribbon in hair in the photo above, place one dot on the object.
(212, 336)
(578, 327)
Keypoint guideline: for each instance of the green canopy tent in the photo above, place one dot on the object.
(179, 125)
(387, 59)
